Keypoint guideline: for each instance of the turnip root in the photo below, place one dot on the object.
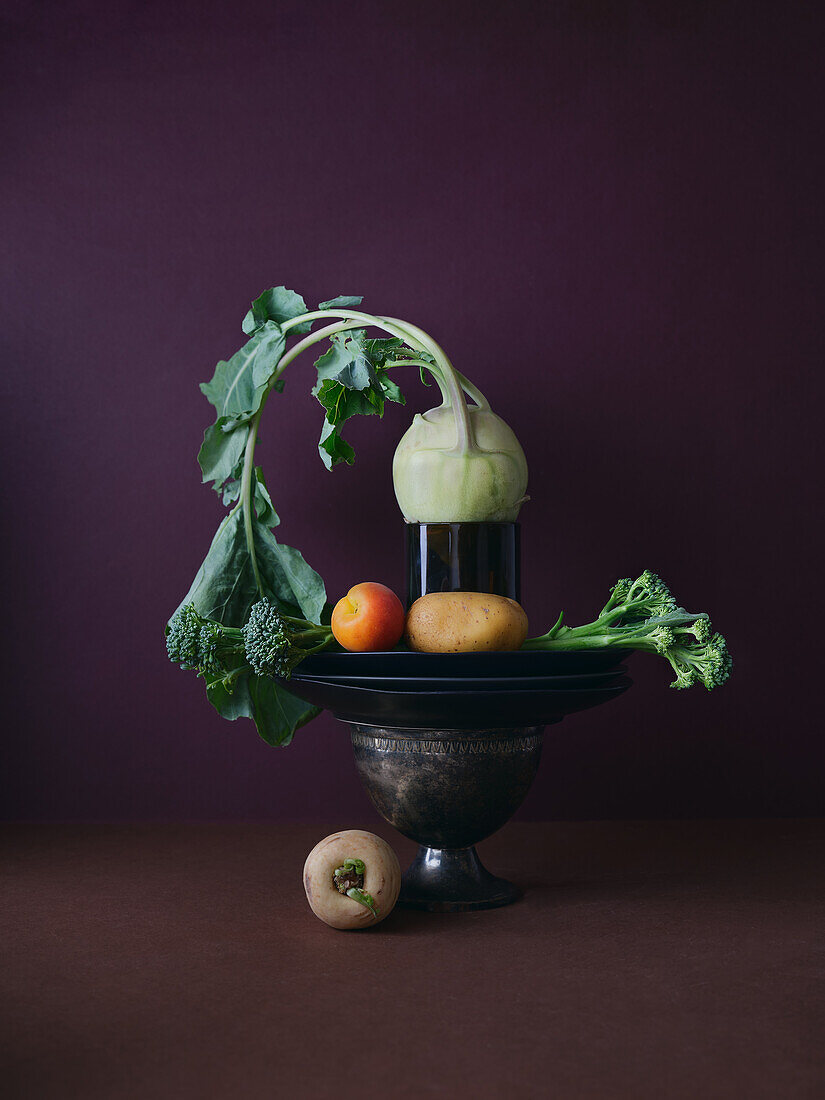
(352, 879)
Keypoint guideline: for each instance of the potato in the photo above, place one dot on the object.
(377, 883)
(465, 622)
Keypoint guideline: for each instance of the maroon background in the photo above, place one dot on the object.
(607, 213)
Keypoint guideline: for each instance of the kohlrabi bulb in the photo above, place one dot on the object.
(438, 482)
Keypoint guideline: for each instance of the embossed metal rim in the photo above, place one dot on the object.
(495, 745)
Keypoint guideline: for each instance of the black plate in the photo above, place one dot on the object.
(398, 663)
(466, 683)
(451, 709)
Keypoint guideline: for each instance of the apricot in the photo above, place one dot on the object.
(370, 617)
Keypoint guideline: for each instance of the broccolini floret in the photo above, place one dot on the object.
(183, 638)
(644, 615)
(274, 643)
(269, 644)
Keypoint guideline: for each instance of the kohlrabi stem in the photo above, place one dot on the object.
(410, 334)
(465, 439)
(424, 365)
(449, 382)
(472, 391)
(246, 496)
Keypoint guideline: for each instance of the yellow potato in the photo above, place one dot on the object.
(465, 622)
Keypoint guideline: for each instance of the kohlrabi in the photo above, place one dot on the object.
(459, 467)
(457, 462)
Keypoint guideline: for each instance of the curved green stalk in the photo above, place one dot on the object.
(424, 365)
(449, 381)
(472, 391)
(413, 335)
(246, 495)
(465, 438)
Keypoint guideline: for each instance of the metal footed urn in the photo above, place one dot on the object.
(447, 790)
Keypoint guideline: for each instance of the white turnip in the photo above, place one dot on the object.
(352, 879)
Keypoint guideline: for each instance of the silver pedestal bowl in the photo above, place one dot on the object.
(448, 789)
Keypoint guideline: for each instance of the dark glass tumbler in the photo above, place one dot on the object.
(463, 557)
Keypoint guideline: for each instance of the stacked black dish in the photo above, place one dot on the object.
(459, 690)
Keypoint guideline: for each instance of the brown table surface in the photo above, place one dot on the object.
(666, 960)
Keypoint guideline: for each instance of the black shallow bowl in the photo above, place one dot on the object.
(452, 709)
(465, 683)
(400, 663)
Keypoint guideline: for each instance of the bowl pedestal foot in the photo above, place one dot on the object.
(452, 880)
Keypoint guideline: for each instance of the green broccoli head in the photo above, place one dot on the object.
(207, 647)
(274, 642)
(644, 598)
(662, 638)
(183, 642)
(267, 640)
(707, 663)
(211, 649)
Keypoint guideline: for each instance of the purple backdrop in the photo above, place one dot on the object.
(607, 214)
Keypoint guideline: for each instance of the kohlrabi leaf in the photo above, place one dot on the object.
(287, 575)
(343, 301)
(345, 362)
(222, 449)
(342, 403)
(352, 381)
(264, 508)
(388, 349)
(224, 587)
(238, 384)
(230, 704)
(390, 390)
(333, 448)
(279, 305)
(275, 712)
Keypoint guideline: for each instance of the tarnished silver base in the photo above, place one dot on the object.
(447, 789)
(452, 880)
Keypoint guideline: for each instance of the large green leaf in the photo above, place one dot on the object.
(275, 712)
(287, 575)
(222, 449)
(352, 381)
(333, 448)
(345, 362)
(238, 384)
(224, 587)
(264, 508)
(278, 305)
